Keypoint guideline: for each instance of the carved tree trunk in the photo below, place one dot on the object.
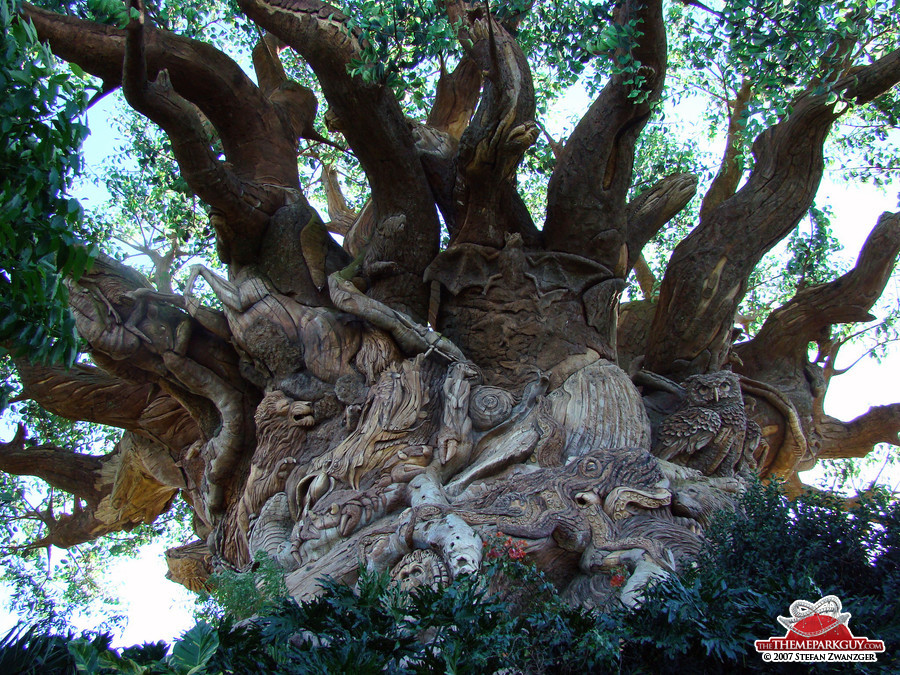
(318, 418)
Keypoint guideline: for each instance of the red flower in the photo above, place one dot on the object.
(505, 546)
(516, 553)
(617, 580)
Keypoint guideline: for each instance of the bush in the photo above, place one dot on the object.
(240, 595)
(755, 563)
(510, 619)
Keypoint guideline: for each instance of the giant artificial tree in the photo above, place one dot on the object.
(395, 400)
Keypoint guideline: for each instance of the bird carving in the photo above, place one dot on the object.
(707, 433)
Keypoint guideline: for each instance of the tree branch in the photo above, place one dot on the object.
(252, 135)
(137, 337)
(788, 330)
(407, 229)
(456, 98)
(656, 206)
(134, 483)
(588, 188)
(68, 471)
(730, 171)
(645, 278)
(175, 82)
(89, 394)
(244, 206)
(342, 216)
(269, 70)
(840, 440)
(501, 130)
(707, 274)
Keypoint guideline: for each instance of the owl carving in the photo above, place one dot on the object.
(708, 432)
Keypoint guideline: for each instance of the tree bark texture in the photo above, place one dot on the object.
(320, 419)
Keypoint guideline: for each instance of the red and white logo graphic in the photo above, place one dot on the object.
(818, 632)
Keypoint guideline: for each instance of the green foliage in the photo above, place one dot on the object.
(109, 12)
(41, 136)
(55, 586)
(395, 38)
(48, 585)
(241, 595)
(94, 656)
(33, 650)
(812, 255)
(151, 213)
(191, 654)
(785, 50)
(200, 19)
(508, 616)
(400, 39)
(776, 45)
(781, 47)
(854, 476)
(756, 561)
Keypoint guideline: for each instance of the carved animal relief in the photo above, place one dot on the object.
(398, 400)
(711, 432)
(435, 462)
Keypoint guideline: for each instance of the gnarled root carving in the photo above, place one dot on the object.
(416, 486)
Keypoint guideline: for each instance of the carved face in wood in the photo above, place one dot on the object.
(421, 567)
(720, 388)
(281, 420)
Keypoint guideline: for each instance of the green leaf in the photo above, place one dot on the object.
(85, 655)
(121, 665)
(191, 654)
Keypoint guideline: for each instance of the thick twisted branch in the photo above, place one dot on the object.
(244, 206)
(701, 289)
(589, 186)
(341, 215)
(252, 136)
(407, 230)
(179, 83)
(655, 207)
(501, 130)
(132, 484)
(730, 171)
(456, 98)
(68, 471)
(848, 299)
(839, 440)
(89, 394)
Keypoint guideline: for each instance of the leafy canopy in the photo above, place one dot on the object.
(41, 134)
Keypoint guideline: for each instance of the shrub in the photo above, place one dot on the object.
(510, 619)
